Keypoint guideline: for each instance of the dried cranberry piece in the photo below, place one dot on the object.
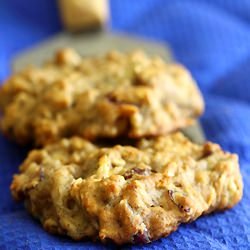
(207, 151)
(113, 99)
(181, 207)
(141, 238)
(41, 174)
(129, 174)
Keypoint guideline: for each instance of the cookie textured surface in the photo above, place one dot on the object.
(129, 95)
(126, 194)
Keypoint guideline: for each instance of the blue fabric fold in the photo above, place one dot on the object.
(212, 39)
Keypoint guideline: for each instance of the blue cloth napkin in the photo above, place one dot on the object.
(212, 38)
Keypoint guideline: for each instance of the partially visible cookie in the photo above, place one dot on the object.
(126, 194)
(130, 95)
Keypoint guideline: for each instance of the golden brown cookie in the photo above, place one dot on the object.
(126, 194)
(130, 95)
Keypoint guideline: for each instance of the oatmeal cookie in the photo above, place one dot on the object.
(126, 194)
(129, 95)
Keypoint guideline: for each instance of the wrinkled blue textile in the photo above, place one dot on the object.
(212, 38)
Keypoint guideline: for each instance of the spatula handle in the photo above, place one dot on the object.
(80, 15)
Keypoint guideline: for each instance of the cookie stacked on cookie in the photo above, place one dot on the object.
(116, 95)
(132, 193)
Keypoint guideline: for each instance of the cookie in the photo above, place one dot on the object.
(126, 194)
(116, 95)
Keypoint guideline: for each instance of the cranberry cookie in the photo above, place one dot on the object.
(115, 95)
(126, 194)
